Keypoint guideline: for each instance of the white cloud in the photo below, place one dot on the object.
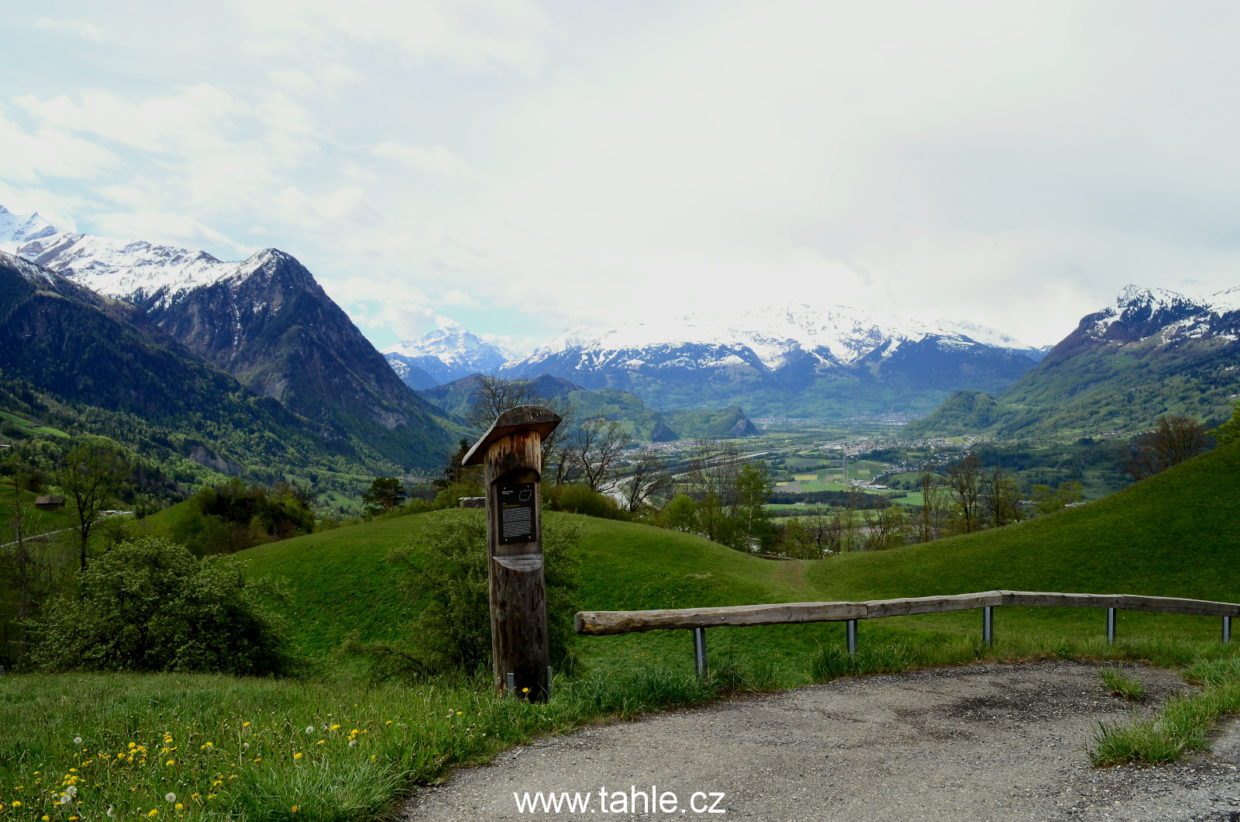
(1008, 164)
(83, 29)
(435, 159)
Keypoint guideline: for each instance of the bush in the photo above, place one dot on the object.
(150, 605)
(455, 627)
(579, 499)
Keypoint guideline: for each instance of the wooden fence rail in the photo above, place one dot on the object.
(605, 623)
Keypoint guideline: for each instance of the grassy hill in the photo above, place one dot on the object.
(1175, 534)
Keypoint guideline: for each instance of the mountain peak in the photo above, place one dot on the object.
(446, 353)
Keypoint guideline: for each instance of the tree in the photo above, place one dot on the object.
(598, 446)
(713, 471)
(753, 489)
(496, 395)
(1229, 431)
(964, 478)
(884, 527)
(646, 480)
(384, 494)
(93, 474)
(1173, 440)
(1001, 498)
(1048, 500)
(933, 512)
(680, 514)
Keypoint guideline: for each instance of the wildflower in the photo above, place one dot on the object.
(170, 763)
(210, 796)
(352, 743)
(206, 746)
(179, 807)
(154, 812)
(195, 796)
(17, 803)
(389, 722)
(525, 690)
(111, 812)
(298, 755)
(245, 724)
(71, 791)
(321, 742)
(309, 730)
(77, 740)
(170, 797)
(65, 799)
(294, 809)
(46, 818)
(460, 713)
(374, 758)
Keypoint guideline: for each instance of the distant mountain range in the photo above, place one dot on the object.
(266, 322)
(797, 361)
(1152, 352)
(446, 354)
(639, 420)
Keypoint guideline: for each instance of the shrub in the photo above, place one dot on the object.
(455, 627)
(579, 499)
(150, 605)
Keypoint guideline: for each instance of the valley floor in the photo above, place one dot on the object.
(984, 742)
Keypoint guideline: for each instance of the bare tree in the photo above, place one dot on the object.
(1001, 497)
(884, 527)
(644, 481)
(714, 469)
(933, 511)
(92, 475)
(826, 533)
(599, 443)
(965, 480)
(496, 395)
(1173, 440)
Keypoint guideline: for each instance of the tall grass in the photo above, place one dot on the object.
(1183, 724)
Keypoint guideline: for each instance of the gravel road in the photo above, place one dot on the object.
(989, 742)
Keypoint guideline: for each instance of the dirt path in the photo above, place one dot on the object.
(992, 742)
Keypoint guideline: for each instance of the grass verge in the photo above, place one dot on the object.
(1181, 726)
(1120, 684)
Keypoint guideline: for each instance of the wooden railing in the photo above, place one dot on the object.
(605, 623)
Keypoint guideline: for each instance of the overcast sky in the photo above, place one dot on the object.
(523, 167)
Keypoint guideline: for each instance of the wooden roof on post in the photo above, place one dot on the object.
(522, 418)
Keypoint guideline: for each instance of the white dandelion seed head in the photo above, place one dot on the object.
(111, 812)
(71, 790)
(245, 745)
(170, 796)
(352, 743)
(309, 730)
(77, 740)
(65, 799)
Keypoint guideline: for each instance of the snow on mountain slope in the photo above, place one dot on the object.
(1225, 302)
(448, 353)
(15, 230)
(833, 335)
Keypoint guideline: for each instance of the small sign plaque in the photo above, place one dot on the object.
(516, 512)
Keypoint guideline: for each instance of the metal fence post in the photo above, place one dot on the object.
(851, 633)
(699, 651)
(988, 625)
(1110, 626)
(1226, 629)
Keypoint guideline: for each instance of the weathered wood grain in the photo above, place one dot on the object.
(603, 623)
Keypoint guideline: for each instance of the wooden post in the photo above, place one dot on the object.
(511, 455)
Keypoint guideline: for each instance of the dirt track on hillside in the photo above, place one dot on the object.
(991, 742)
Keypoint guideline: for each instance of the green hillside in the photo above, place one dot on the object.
(1175, 534)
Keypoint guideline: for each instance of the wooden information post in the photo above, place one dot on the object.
(511, 455)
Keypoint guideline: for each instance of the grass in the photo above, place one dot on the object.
(1182, 725)
(265, 749)
(1175, 534)
(1120, 684)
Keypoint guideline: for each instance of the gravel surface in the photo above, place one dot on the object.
(989, 742)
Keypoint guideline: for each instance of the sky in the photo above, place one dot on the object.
(524, 167)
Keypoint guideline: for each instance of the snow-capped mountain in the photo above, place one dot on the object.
(446, 354)
(1141, 313)
(1149, 353)
(266, 321)
(783, 360)
(773, 336)
(15, 230)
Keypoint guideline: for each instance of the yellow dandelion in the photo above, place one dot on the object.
(180, 807)
(294, 809)
(245, 724)
(170, 763)
(298, 755)
(153, 812)
(335, 727)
